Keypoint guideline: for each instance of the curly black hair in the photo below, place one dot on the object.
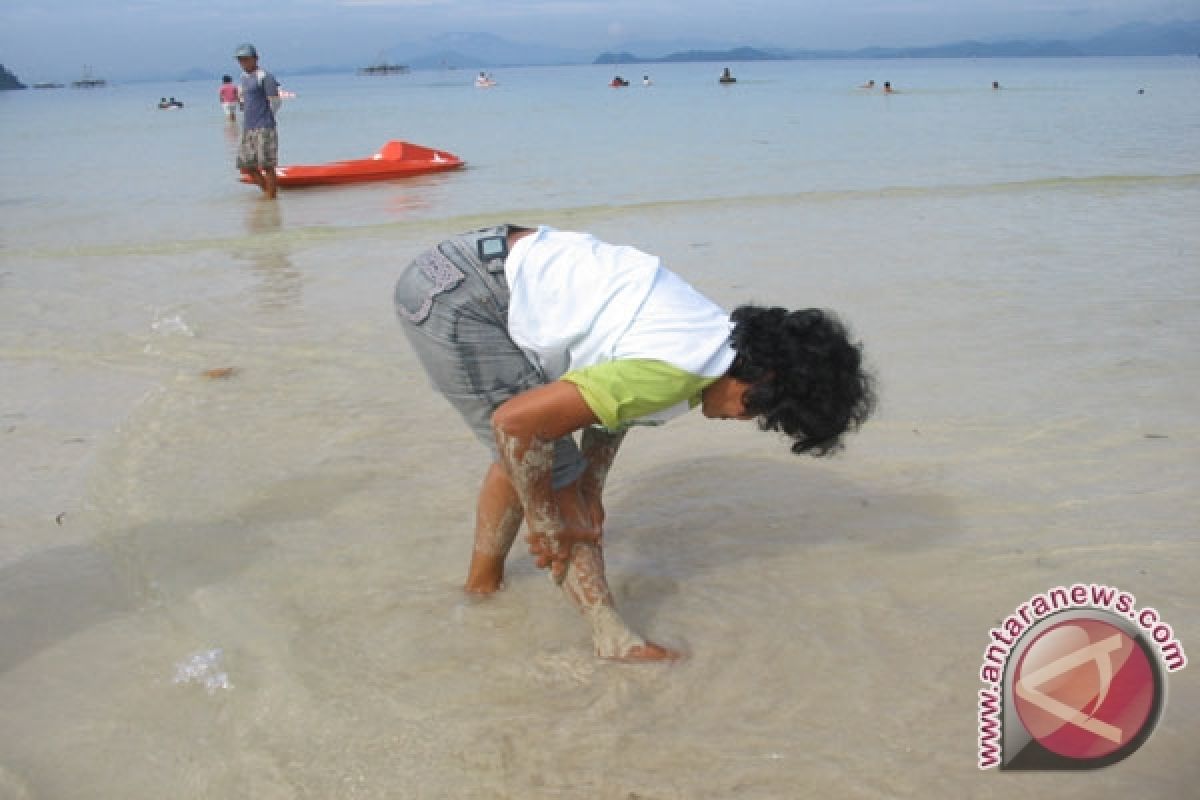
(807, 378)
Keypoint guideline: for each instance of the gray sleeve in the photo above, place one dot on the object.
(270, 85)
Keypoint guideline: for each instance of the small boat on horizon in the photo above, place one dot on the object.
(383, 67)
(88, 81)
(396, 159)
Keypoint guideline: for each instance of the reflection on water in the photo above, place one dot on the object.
(264, 217)
(403, 202)
(233, 137)
(414, 193)
(280, 284)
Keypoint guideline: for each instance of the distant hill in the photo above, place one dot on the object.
(475, 50)
(1142, 39)
(1136, 39)
(8, 80)
(446, 59)
(198, 74)
(736, 54)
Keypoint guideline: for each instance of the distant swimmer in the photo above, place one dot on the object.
(484, 81)
(229, 97)
(887, 88)
(162, 103)
(646, 80)
(726, 77)
(618, 82)
(868, 85)
(995, 84)
(518, 328)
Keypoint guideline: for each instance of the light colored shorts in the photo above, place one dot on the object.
(454, 310)
(229, 108)
(259, 148)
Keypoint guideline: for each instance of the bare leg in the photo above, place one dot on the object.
(269, 182)
(563, 532)
(255, 176)
(587, 588)
(497, 520)
(600, 449)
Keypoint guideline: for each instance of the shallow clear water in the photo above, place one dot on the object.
(1020, 264)
(547, 139)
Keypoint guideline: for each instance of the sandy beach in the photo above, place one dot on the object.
(308, 515)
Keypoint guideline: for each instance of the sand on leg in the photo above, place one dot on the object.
(586, 586)
(497, 519)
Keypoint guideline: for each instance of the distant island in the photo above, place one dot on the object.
(686, 56)
(8, 80)
(1137, 39)
(482, 51)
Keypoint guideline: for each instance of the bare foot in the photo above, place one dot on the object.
(485, 575)
(649, 651)
(483, 587)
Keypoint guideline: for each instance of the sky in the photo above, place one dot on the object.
(125, 39)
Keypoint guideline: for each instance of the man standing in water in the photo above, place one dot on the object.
(259, 93)
(533, 335)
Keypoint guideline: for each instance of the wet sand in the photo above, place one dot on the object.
(310, 515)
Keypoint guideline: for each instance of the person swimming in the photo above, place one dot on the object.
(868, 85)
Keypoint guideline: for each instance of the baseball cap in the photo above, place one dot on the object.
(245, 51)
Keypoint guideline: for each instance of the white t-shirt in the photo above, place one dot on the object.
(576, 301)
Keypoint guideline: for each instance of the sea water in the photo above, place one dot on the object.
(1021, 265)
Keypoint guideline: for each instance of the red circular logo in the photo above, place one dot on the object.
(1084, 688)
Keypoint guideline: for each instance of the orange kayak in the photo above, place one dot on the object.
(395, 159)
